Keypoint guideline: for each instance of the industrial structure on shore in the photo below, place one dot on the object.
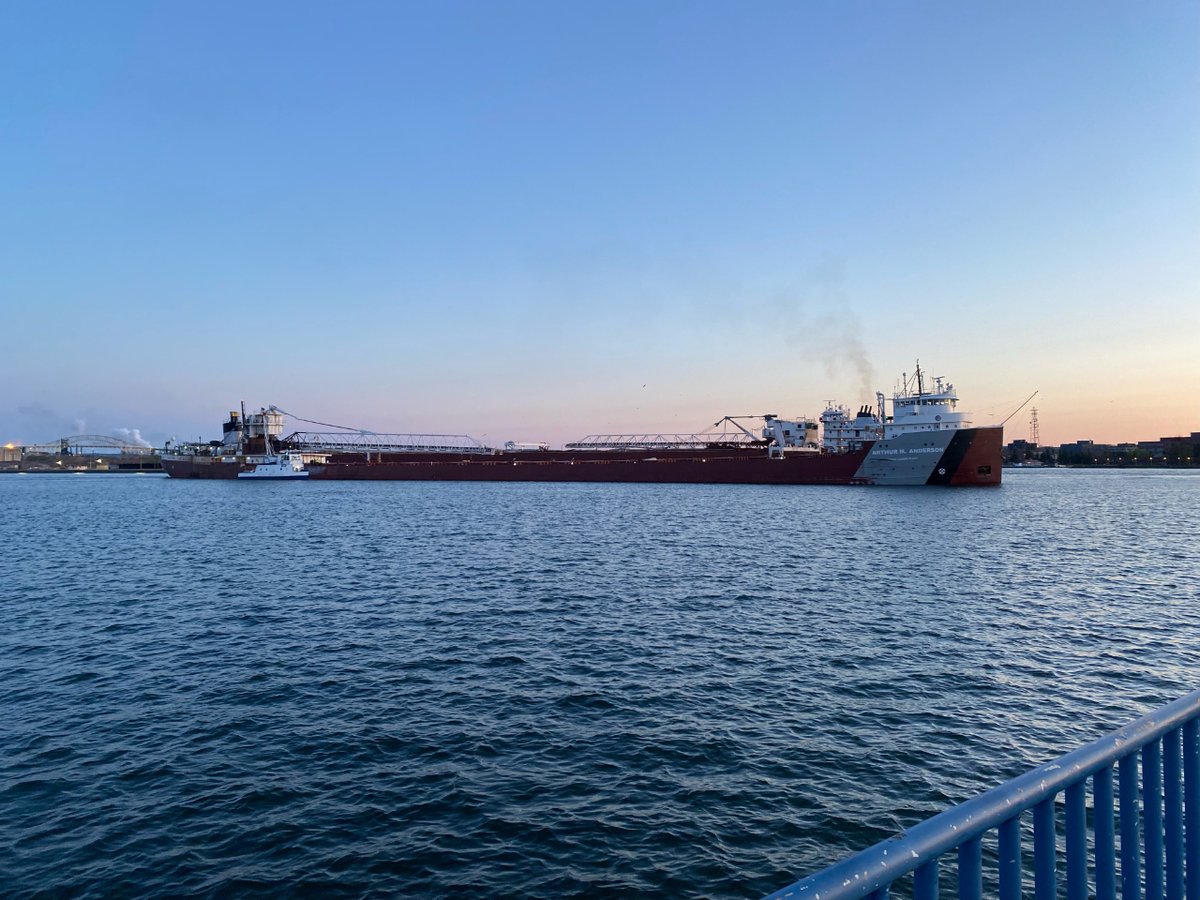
(80, 453)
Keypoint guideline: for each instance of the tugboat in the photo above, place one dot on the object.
(288, 464)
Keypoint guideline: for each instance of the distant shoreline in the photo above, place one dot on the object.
(1137, 466)
(57, 471)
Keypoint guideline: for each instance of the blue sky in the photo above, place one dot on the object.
(538, 220)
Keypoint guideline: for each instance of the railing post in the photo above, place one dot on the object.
(970, 870)
(1191, 805)
(1077, 844)
(1173, 805)
(1045, 886)
(1152, 812)
(925, 881)
(1106, 861)
(1010, 858)
(1131, 863)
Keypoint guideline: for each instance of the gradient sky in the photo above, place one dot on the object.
(539, 220)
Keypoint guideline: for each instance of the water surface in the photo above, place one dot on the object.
(547, 690)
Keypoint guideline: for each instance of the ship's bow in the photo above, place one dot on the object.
(978, 459)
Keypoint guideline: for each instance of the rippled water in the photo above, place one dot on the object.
(442, 689)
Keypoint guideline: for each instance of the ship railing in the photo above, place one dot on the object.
(1154, 844)
(374, 442)
(701, 441)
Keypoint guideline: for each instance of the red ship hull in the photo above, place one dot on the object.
(684, 467)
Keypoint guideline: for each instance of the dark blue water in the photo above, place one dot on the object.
(547, 690)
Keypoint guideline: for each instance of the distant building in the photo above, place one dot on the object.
(1177, 449)
(1085, 449)
(1089, 453)
(1023, 452)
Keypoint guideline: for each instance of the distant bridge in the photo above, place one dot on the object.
(89, 445)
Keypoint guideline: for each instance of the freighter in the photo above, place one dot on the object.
(925, 441)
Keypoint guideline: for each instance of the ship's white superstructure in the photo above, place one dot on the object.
(915, 409)
(790, 435)
(842, 434)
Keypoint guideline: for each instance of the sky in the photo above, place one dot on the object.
(540, 220)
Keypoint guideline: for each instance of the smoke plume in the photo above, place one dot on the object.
(131, 436)
(818, 318)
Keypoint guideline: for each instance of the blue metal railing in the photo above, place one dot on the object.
(1165, 860)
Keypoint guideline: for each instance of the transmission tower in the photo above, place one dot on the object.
(1034, 436)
